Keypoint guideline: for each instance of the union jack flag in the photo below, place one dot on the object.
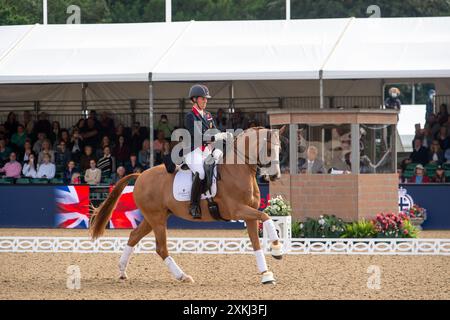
(72, 203)
(126, 215)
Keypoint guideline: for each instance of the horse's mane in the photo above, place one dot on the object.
(250, 129)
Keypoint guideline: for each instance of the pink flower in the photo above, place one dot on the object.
(405, 231)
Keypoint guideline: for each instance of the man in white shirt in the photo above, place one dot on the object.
(46, 169)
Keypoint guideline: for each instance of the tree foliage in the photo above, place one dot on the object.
(13, 12)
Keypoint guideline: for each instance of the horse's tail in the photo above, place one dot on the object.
(102, 214)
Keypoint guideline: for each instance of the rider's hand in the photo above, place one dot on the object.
(223, 136)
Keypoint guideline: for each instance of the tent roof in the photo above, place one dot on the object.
(226, 50)
(392, 48)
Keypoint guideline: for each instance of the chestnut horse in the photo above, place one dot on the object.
(238, 198)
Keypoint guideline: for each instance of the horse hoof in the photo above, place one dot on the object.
(277, 251)
(267, 278)
(123, 277)
(186, 278)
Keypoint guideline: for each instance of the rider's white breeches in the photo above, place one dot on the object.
(196, 158)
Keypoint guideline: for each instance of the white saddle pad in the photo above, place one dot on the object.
(182, 186)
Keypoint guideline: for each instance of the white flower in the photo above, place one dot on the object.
(301, 225)
(321, 222)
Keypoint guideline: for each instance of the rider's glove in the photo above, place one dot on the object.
(223, 136)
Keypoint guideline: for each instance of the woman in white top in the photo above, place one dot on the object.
(46, 169)
(93, 175)
(29, 168)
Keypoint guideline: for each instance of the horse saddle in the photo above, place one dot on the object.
(182, 186)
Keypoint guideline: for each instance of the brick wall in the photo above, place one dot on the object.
(349, 197)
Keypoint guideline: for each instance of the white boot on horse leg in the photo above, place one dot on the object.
(276, 249)
(176, 271)
(267, 276)
(124, 260)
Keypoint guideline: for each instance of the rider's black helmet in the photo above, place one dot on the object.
(199, 90)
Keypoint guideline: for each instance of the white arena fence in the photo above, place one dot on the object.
(228, 245)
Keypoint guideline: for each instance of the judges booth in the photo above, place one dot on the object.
(340, 162)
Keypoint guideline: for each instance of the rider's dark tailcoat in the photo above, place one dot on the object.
(196, 124)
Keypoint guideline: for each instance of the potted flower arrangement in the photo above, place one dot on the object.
(417, 215)
(390, 225)
(280, 211)
(325, 226)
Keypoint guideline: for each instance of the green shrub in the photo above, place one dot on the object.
(324, 227)
(408, 230)
(296, 229)
(359, 229)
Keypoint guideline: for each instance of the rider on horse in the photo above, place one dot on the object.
(198, 121)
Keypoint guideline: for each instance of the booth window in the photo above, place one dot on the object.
(377, 152)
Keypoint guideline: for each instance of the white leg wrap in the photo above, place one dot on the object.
(174, 268)
(271, 230)
(261, 261)
(125, 257)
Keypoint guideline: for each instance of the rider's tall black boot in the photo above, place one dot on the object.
(195, 197)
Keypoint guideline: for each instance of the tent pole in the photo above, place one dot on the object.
(288, 9)
(168, 10)
(150, 118)
(321, 88)
(44, 11)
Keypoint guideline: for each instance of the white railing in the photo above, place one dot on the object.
(228, 245)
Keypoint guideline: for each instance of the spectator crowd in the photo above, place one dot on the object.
(94, 151)
(430, 159)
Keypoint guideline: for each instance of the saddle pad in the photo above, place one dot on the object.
(182, 186)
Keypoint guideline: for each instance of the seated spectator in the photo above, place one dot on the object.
(86, 158)
(447, 156)
(432, 124)
(435, 154)
(419, 175)
(46, 149)
(13, 168)
(46, 169)
(341, 162)
(427, 138)
(44, 126)
(93, 175)
(419, 154)
(158, 147)
(106, 125)
(76, 145)
(443, 139)
(18, 138)
(64, 137)
(62, 155)
(164, 126)
(221, 120)
(132, 164)
(442, 115)
(120, 173)
(28, 123)
(26, 152)
(144, 154)
(107, 163)
(401, 178)
(138, 135)
(76, 178)
(70, 171)
(393, 101)
(29, 168)
(5, 151)
(56, 132)
(11, 124)
(122, 151)
(312, 164)
(37, 147)
(439, 176)
(91, 134)
(106, 142)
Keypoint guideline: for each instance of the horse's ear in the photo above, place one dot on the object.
(283, 129)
